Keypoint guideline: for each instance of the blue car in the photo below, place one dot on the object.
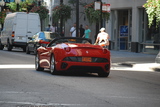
(39, 39)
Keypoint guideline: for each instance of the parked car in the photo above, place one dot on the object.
(157, 60)
(73, 54)
(39, 39)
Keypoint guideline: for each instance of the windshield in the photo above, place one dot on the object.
(72, 41)
(69, 40)
(51, 36)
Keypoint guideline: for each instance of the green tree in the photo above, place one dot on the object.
(153, 10)
(29, 6)
(23, 6)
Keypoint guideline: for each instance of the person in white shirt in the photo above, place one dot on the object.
(53, 28)
(73, 30)
(102, 38)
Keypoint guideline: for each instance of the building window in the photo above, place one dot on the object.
(149, 37)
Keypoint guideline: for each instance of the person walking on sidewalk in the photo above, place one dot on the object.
(53, 28)
(73, 30)
(102, 38)
(48, 28)
(81, 30)
(87, 32)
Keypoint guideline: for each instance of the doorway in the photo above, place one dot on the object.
(123, 28)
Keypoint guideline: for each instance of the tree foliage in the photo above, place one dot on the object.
(61, 11)
(93, 15)
(153, 10)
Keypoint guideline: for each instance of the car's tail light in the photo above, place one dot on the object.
(13, 34)
(105, 50)
(43, 42)
(67, 49)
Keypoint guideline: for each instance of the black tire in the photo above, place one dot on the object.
(27, 50)
(9, 46)
(52, 66)
(37, 65)
(24, 49)
(103, 74)
(1, 46)
(35, 50)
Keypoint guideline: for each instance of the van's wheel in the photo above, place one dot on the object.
(9, 46)
(1, 46)
(27, 50)
(52, 66)
(37, 65)
(24, 49)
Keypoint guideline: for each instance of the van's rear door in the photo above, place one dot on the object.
(27, 25)
(33, 24)
(20, 27)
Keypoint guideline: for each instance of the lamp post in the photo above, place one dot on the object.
(77, 18)
(39, 2)
(101, 13)
(2, 3)
(17, 2)
(61, 21)
(100, 8)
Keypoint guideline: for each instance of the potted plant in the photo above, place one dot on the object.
(2, 16)
(41, 10)
(61, 11)
(153, 10)
(93, 15)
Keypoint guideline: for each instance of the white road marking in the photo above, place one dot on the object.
(16, 66)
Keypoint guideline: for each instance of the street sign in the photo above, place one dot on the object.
(105, 7)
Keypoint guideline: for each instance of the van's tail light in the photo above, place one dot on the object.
(13, 34)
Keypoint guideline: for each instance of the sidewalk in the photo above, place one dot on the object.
(133, 61)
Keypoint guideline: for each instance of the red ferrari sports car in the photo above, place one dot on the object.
(73, 54)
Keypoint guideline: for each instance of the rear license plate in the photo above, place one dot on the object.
(86, 59)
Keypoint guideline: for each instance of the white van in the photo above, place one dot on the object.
(17, 28)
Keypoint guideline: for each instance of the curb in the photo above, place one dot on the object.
(129, 64)
(154, 67)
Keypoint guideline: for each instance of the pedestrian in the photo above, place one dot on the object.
(87, 32)
(73, 30)
(81, 30)
(53, 28)
(102, 38)
(48, 28)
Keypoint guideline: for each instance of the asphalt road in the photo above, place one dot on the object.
(22, 86)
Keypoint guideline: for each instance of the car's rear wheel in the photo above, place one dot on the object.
(27, 50)
(35, 50)
(52, 66)
(37, 65)
(24, 49)
(103, 74)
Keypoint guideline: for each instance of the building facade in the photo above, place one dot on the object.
(127, 27)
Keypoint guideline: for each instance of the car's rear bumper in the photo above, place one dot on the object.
(83, 66)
